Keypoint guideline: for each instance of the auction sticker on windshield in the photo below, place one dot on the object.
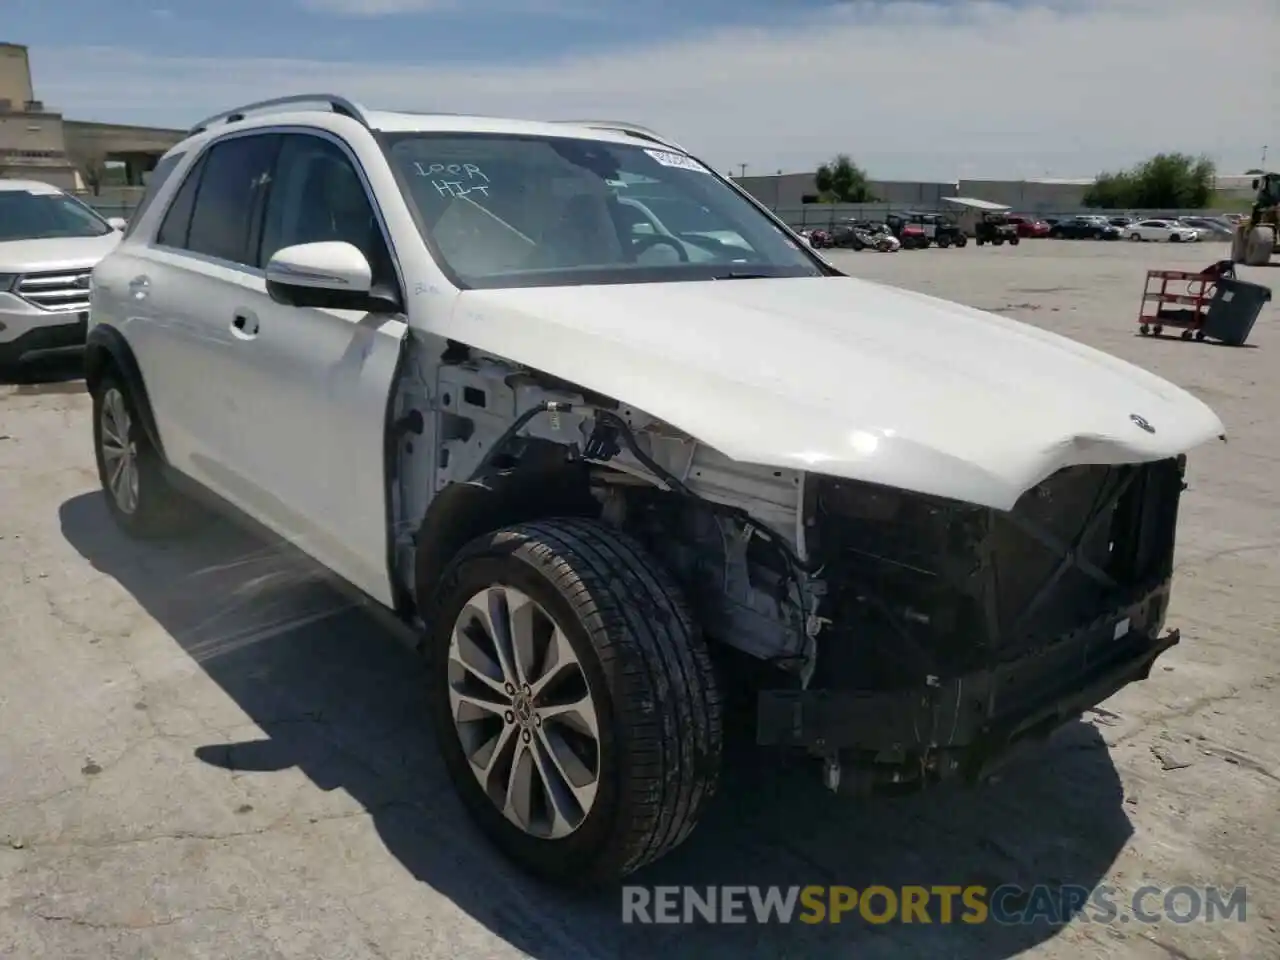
(678, 160)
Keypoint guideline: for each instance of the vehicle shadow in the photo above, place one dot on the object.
(55, 373)
(339, 698)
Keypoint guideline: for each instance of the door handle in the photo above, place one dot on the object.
(244, 324)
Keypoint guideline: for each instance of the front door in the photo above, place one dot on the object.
(312, 386)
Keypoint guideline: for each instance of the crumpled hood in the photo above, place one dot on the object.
(846, 377)
(57, 253)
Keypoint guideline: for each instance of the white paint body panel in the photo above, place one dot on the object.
(846, 377)
(831, 375)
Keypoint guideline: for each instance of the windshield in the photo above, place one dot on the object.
(508, 211)
(25, 215)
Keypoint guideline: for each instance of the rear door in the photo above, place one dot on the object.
(199, 262)
(312, 386)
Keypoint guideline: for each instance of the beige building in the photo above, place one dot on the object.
(37, 143)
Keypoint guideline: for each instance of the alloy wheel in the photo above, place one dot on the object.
(524, 712)
(119, 451)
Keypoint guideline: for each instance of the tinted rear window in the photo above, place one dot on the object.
(158, 176)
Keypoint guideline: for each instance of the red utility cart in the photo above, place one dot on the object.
(1179, 299)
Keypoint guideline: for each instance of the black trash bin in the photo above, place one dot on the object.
(1233, 310)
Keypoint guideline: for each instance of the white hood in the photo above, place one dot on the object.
(847, 378)
(59, 253)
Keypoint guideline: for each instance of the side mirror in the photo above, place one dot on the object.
(332, 274)
(117, 223)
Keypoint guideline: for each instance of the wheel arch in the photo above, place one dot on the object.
(462, 511)
(106, 351)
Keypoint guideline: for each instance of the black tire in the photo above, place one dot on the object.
(159, 511)
(650, 679)
(944, 242)
(961, 241)
(1013, 241)
(998, 241)
(979, 241)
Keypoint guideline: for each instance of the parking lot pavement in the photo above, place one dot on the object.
(207, 752)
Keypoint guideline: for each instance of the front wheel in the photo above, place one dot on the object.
(1013, 241)
(1135, 237)
(574, 699)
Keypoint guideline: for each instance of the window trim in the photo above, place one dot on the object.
(369, 194)
(258, 215)
(254, 210)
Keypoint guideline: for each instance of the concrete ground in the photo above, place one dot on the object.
(205, 752)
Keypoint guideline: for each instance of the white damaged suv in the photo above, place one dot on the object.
(49, 243)
(619, 445)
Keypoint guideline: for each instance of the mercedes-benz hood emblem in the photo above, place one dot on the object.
(1142, 422)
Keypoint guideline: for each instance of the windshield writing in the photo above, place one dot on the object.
(516, 211)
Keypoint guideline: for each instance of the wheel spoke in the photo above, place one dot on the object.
(486, 756)
(570, 784)
(521, 784)
(496, 619)
(557, 662)
(578, 714)
(468, 655)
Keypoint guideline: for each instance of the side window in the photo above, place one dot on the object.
(317, 196)
(177, 219)
(159, 175)
(235, 173)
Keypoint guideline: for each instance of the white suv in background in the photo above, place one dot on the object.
(49, 243)
(617, 443)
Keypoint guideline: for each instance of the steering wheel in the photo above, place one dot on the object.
(641, 244)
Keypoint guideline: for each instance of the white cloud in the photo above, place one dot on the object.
(912, 90)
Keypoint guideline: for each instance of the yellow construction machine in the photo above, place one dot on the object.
(1258, 236)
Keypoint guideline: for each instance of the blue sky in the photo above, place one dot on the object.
(938, 89)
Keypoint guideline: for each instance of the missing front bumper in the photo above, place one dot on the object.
(967, 726)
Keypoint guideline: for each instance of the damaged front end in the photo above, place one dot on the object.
(953, 633)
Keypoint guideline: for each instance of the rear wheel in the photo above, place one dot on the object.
(1013, 241)
(139, 496)
(574, 699)
(1135, 237)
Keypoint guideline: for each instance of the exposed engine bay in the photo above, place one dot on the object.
(913, 605)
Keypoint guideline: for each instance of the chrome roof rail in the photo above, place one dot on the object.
(623, 126)
(339, 105)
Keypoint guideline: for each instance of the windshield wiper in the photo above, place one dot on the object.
(741, 275)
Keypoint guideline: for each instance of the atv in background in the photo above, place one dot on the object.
(918, 230)
(994, 228)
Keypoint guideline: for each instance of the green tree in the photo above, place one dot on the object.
(1167, 180)
(842, 181)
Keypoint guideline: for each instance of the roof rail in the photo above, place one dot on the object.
(339, 105)
(622, 126)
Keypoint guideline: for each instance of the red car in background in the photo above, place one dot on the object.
(1029, 226)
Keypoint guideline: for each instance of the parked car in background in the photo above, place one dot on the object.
(1084, 228)
(49, 242)
(1209, 228)
(1167, 230)
(1029, 226)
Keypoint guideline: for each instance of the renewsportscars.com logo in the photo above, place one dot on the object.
(1008, 905)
